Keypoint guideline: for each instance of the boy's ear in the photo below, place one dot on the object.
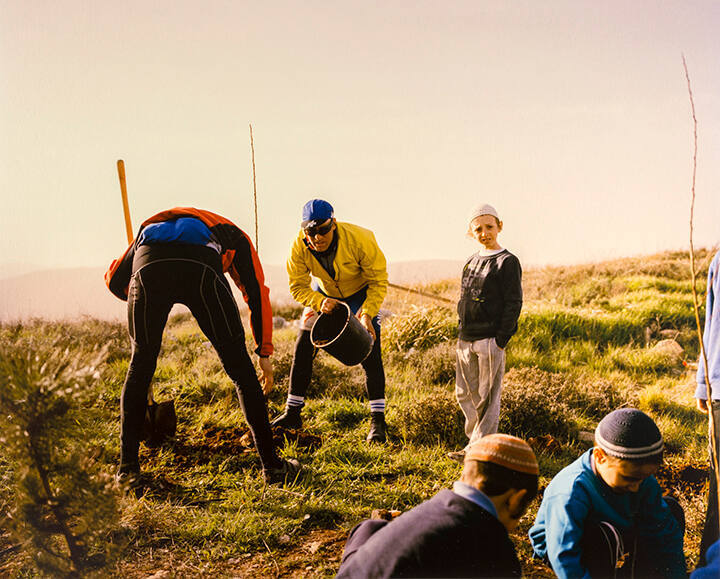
(500, 224)
(516, 502)
(599, 455)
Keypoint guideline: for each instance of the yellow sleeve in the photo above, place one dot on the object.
(299, 278)
(374, 267)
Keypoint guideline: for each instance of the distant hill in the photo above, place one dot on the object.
(15, 269)
(70, 293)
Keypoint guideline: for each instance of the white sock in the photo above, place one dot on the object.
(377, 405)
(295, 401)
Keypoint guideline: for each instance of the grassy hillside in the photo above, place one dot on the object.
(587, 344)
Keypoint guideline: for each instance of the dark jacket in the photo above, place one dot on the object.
(447, 536)
(239, 259)
(490, 298)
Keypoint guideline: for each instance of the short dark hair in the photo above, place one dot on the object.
(495, 480)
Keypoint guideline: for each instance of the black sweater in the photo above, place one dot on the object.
(447, 536)
(490, 298)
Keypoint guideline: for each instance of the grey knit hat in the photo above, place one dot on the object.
(629, 434)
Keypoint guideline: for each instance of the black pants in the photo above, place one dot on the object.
(603, 545)
(301, 370)
(164, 275)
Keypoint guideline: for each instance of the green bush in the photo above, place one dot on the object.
(63, 505)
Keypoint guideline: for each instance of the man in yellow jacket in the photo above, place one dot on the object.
(332, 262)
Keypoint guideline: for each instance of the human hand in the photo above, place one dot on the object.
(366, 321)
(266, 375)
(702, 405)
(328, 305)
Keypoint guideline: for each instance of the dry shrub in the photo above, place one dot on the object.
(420, 328)
(435, 365)
(535, 402)
(431, 419)
(529, 413)
(584, 394)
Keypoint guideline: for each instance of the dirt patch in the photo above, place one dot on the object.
(194, 450)
(683, 479)
(316, 554)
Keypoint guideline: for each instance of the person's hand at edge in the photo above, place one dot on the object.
(328, 305)
(366, 321)
(266, 375)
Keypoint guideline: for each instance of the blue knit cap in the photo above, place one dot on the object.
(629, 434)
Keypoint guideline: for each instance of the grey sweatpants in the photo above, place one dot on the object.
(478, 382)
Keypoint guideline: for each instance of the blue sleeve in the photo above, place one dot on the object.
(712, 569)
(564, 525)
(701, 391)
(662, 532)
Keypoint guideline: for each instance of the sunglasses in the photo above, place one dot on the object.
(319, 229)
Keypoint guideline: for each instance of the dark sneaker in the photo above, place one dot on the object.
(457, 456)
(286, 472)
(377, 427)
(128, 475)
(290, 419)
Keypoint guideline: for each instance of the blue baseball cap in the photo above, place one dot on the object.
(315, 212)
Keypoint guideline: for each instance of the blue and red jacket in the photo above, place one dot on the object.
(239, 259)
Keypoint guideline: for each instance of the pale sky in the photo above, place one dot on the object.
(571, 117)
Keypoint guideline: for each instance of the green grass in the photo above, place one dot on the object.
(580, 352)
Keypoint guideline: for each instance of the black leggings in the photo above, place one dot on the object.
(164, 275)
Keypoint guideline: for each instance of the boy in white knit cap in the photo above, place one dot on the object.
(489, 307)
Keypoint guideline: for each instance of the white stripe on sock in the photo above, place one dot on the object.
(293, 400)
(377, 405)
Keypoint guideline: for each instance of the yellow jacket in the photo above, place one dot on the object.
(358, 263)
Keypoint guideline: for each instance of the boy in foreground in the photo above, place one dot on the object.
(458, 533)
(604, 515)
(489, 307)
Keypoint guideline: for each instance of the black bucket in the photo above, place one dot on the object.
(342, 335)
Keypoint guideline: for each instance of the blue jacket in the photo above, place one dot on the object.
(712, 569)
(577, 496)
(711, 336)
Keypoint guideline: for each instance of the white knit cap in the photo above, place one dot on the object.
(484, 209)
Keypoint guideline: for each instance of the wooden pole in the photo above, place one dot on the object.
(693, 276)
(418, 292)
(252, 149)
(129, 232)
(126, 207)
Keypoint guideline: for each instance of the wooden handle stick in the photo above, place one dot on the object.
(252, 149)
(126, 207)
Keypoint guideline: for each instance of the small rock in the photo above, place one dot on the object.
(284, 539)
(586, 436)
(314, 547)
(670, 347)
